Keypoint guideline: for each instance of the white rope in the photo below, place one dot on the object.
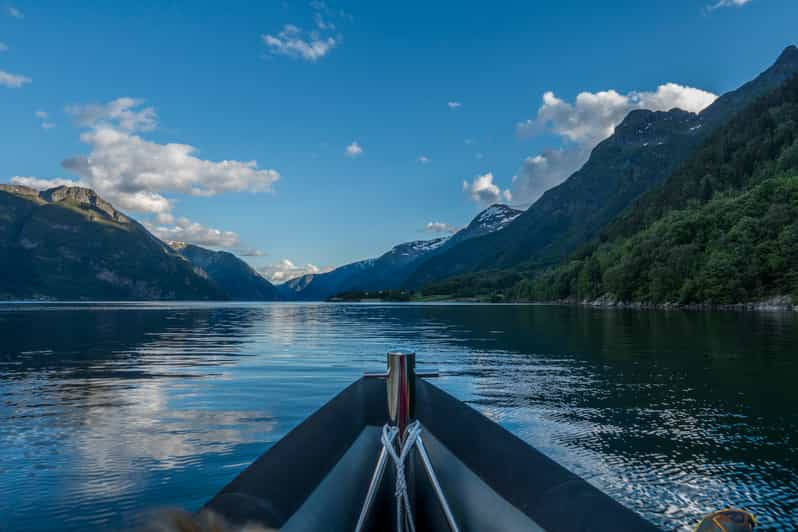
(389, 434)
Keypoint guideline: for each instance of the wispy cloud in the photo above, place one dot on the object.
(293, 41)
(3, 47)
(44, 184)
(285, 270)
(185, 230)
(484, 191)
(440, 228)
(309, 45)
(13, 81)
(15, 12)
(354, 150)
(423, 159)
(454, 105)
(125, 113)
(43, 116)
(727, 3)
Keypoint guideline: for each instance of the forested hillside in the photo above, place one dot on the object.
(722, 229)
(645, 149)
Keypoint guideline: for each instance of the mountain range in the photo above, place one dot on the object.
(236, 278)
(645, 148)
(723, 229)
(69, 243)
(391, 270)
(672, 207)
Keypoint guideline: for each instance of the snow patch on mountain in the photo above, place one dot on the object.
(496, 217)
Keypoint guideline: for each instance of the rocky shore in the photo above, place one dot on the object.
(773, 304)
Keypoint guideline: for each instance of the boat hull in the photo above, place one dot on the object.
(317, 476)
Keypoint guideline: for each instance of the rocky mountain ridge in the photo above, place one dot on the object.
(645, 148)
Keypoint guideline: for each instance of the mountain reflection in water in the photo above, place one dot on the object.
(109, 409)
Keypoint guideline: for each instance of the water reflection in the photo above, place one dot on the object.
(108, 409)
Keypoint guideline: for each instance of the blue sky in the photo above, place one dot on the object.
(292, 85)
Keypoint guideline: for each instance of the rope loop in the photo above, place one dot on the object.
(389, 435)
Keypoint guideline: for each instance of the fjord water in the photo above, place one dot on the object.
(109, 410)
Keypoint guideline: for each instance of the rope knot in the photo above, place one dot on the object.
(389, 434)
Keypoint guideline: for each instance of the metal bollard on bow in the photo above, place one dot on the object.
(399, 437)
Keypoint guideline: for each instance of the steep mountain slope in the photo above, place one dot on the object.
(68, 243)
(645, 148)
(391, 269)
(234, 276)
(494, 218)
(723, 229)
(320, 286)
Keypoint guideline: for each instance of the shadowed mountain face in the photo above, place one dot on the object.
(390, 270)
(231, 274)
(723, 229)
(645, 149)
(68, 243)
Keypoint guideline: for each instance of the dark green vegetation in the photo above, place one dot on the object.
(645, 149)
(719, 229)
(491, 285)
(374, 295)
(68, 243)
(232, 275)
(722, 229)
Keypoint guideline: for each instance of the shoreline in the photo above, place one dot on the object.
(774, 304)
(778, 304)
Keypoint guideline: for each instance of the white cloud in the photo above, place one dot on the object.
(286, 270)
(44, 184)
(672, 95)
(591, 118)
(135, 173)
(169, 228)
(484, 191)
(165, 218)
(13, 81)
(354, 150)
(124, 113)
(728, 3)
(454, 105)
(185, 230)
(546, 170)
(3, 47)
(293, 41)
(16, 13)
(423, 159)
(44, 115)
(310, 45)
(440, 227)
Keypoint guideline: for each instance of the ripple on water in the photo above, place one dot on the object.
(120, 408)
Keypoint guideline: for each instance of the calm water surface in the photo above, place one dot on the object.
(107, 410)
